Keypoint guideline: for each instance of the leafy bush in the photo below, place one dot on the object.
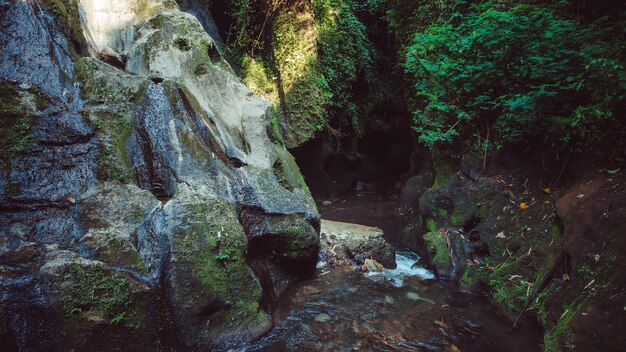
(346, 56)
(517, 73)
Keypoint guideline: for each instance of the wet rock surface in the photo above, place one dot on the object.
(344, 310)
(143, 209)
(343, 243)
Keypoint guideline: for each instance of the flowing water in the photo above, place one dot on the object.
(402, 309)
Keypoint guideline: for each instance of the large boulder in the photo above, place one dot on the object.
(585, 312)
(343, 243)
(145, 205)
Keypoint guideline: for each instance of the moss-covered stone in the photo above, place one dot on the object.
(287, 172)
(96, 307)
(116, 250)
(17, 110)
(114, 96)
(438, 249)
(273, 129)
(67, 14)
(258, 76)
(97, 291)
(444, 166)
(305, 90)
(211, 284)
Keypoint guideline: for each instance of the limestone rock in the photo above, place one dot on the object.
(154, 212)
(344, 242)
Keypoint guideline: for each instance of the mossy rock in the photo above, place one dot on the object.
(305, 90)
(287, 172)
(68, 17)
(18, 107)
(113, 95)
(214, 295)
(438, 251)
(96, 307)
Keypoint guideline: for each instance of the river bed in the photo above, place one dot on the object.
(406, 309)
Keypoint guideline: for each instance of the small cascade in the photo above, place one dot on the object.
(406, 267)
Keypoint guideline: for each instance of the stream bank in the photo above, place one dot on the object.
(340, 309)
(535, 242)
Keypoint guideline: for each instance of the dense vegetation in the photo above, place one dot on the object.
(545, 78)
(548, 75)
(316, 61)
(542, 75)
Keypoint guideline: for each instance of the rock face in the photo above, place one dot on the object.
(593, 215)
(343, 243)
(147, 208)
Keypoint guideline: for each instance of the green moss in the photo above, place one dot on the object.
(16, 115)
(67, 14)
(102, 84)
(473, 275)
(444, 167)
(94, 290)
(279, 173)
(260, 79)
(459, 219)
(554, 336)
(156, 22)
(115, 163)
(307, 95)
(287, 172)
(120, 252)
(436, 244)
(431, 225)
(114, 98)
(211, 258)
(273, 130)
(555, 232)
(293, 236)
(442, 212)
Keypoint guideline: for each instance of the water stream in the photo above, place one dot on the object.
(404, 309)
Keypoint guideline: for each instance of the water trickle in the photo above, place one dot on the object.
(406, 267)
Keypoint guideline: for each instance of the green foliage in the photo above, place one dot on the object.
(258, 76)
(552, 338)
(521, 72)
(313, 60)
(16, 122)
(92, 289)
(346, 59)
(306, 91)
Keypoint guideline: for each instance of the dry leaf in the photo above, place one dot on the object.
(523, 206)
(547, 191)
(500, 235)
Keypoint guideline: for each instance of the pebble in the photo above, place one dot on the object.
(322, 317)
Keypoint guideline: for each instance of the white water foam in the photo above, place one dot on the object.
(405, 261)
